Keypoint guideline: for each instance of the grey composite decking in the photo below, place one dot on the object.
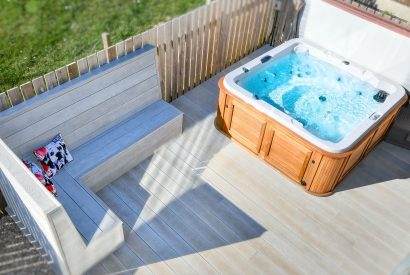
(203, 204)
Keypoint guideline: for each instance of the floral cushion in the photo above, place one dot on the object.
(53, 156)
(41, 176)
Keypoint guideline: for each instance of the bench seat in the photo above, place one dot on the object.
(89, 214)
(125, 144)
(128, 142)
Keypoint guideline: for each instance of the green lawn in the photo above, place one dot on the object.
(38, 36)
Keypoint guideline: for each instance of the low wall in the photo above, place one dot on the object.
(364, 41)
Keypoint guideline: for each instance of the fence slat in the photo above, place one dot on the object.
(188, 52)
(62, 75)
(236, 39)
(198, 46)
(137, 42)
(4, 102)
(254, 26)
(83, 66)
(129, 47)
(182, 51)
(149, 37)
(263, 13)
(194, 48)
(161, 57)
(205, 52)
(245, 29)
(27, 90)
(72, 69)
(231, 27)
(120, 48)
(261, 17)
(224, 34)
(265, 21)
(102, 57)
(168, 60)
(175, 60)
(51, 80)
(145, 37)
(39, 85)
(258, 13)
(217, 49)
(211, 44)
(92, 61)
(112, 53)
(271, 21)
(200, 49)
(15, 96)
(239, 30)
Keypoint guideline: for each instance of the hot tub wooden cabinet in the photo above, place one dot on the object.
(317, 171)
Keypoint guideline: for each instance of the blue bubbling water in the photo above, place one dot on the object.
(328, 102)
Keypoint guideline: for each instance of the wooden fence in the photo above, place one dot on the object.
(190, 48)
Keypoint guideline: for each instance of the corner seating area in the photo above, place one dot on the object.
(111, 119)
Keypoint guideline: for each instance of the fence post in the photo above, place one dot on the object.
(106, 40)
(106, 43)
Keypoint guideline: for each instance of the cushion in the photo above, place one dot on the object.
(41, 176)
(53, 156)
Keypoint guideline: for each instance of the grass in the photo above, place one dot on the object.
(38, 36)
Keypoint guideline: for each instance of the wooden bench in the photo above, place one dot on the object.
(111, 119)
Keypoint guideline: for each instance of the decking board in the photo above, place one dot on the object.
(264, 203)
(220, 209)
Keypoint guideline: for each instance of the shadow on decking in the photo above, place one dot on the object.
(168, 214)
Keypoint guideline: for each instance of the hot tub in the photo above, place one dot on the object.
(308, 112)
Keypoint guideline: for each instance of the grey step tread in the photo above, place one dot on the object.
(118, 138)
(87, 211)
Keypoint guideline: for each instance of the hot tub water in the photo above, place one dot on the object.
(327, 101)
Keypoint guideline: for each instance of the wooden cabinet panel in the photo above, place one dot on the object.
(355, 156)
(326, 175)
(312, 168)
(288, 156)
(246, 127)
